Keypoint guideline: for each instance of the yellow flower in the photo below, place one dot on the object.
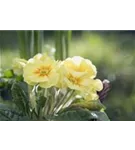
(91, 96)
(77, 73)
(94, 86)
(79, 64)
(60, 83)
(18, 65)
(41, 70)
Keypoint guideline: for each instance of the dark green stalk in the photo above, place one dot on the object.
(68, 35)
(21, 37)
(61, 45)
(58, 47)
(59, 55)
(38, 42)
(29, 35)
(24, 44)
(62, 40)
(32, 43)
(27, 43)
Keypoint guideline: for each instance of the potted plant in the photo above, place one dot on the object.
(44, 87)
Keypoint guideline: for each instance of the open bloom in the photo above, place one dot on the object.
(94, 87)
(77, 73)
(18, 65)
(41, 70)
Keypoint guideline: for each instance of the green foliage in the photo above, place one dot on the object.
(2, 82)
(71, 114)
(41, 101)
(113, 54)
(20, 110)
(20, 98)
(9, 112)
(102, 116)
(91, 105)
(8, 73)
(80, 114)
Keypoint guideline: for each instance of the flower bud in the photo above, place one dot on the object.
(103, 93)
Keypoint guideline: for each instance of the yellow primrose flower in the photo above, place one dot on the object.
(41, 70)
(77, 73)
(18, 65)
(39, 56)
(79, 64)
(91, 96)
(94, 86)
(60, 70)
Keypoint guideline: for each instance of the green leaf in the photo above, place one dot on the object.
(34, 115)
(20, 97)
(93, 105)
(4, 117)
(8, 112)
(19, 78)
(2, 82)
(41, 101)
(76, 114)
(8, 73)
(101, 116)
(76, 101)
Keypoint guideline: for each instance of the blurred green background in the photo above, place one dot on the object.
(113, 53)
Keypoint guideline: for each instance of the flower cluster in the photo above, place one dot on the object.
(42, 88)
(74, 73)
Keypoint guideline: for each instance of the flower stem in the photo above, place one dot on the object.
(32, 43)
(37, 42)
(46, 103)
(52, 102)
(61, 101)
(68, 35)
(65, 102)
(58, 45)
(23, 44)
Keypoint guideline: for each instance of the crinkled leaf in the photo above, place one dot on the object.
(41, 101)
(20, 97)
(76, 114)
(93, 105)
(8, 112)
(102, 116)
